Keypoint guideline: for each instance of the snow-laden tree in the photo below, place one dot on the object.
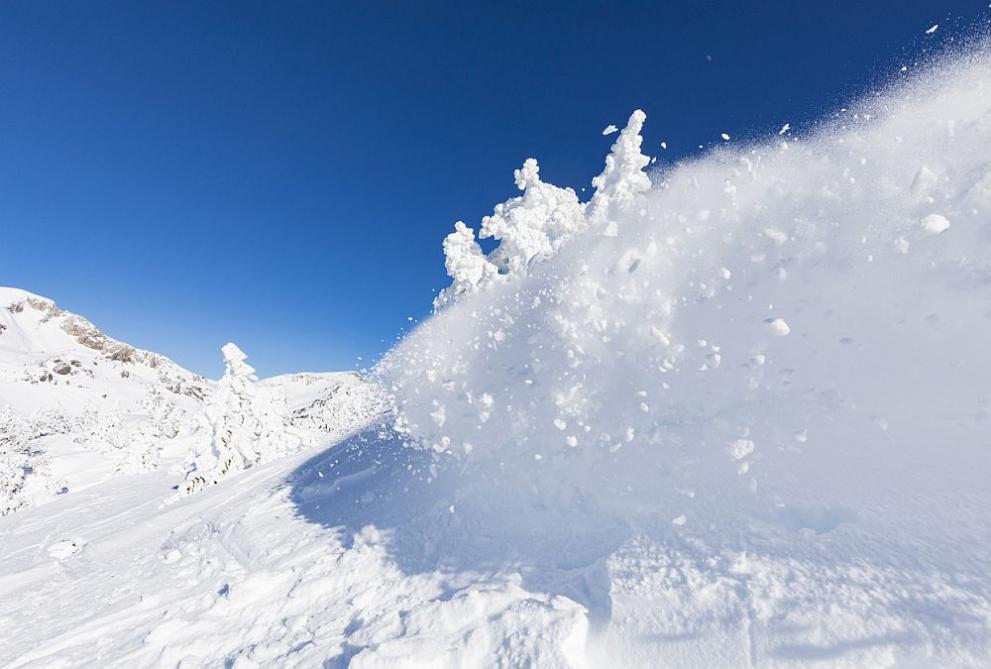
(466, 265)
(535, 225)
(623, 179)
(247, 422)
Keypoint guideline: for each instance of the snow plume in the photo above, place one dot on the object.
(535, 225)
(247, 422)
(739, 334)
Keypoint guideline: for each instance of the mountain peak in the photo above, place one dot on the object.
(10, 295)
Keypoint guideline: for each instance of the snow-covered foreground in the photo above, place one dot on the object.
(737, 414)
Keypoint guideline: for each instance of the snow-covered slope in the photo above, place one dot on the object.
(733, 416)
(40, 343)
(78, 407)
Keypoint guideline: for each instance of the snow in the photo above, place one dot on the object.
(733, 412)
(935, 224)
(868, 420)
(248, 425)
(778, 327)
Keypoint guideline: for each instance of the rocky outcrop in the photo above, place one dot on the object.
(173, 378)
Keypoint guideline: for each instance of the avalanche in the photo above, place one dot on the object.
(735, 412)
(782, 346)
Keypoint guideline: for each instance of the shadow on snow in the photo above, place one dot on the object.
(439, 515)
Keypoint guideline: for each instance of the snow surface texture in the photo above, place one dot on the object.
(739, 416)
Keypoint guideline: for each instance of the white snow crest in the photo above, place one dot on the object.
(465, 263)
(534, 226)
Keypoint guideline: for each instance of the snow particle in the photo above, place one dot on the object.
(777, 327)
(741, 448)
(935, 224)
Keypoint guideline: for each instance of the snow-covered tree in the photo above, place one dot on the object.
(247, 422)
(465, 263)
(623, 180)
(534, 226)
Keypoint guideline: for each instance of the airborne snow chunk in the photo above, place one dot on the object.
(777, 327)
(935, 224)
(741, 448)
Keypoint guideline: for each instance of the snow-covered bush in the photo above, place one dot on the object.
(99, 429)
(248, 425)
(25, 472)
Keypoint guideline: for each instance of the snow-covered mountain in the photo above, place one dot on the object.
(729, 413)
(77, 406)
(42, 344)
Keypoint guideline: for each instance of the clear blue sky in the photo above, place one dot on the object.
(281, 174)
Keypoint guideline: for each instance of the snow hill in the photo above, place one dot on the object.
(731, 413)
(78, 407)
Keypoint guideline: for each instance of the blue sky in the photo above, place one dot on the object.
(282, 174)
